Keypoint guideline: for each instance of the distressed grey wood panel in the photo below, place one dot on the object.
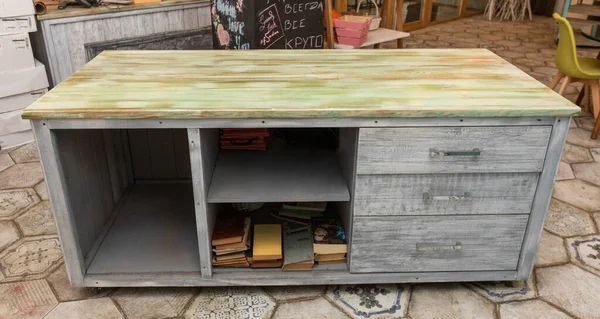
(277, 176)
(542, 197)
(407, 150)
(348, 141)
(153, 232)
(140, 154)
(437, 243)
(283, 123)
(162, 153)
(82, 155)
(117, 162)
(62, 211)
(204, 146)
(61, 57)
(69, 36)
(274, 277)
(441, 194)
(182, 154)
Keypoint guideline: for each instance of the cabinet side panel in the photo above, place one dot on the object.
(542, 197)
(204, 146)
(83, 158)
(347, 157)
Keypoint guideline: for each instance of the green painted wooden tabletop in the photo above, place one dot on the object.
(299, 84)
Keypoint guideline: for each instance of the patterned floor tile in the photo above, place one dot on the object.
(589, 172)
(570, 288)
(41, 190)
(530, 309)
(21, 176)
(37, 220)
(551, 250)
(309, 309)
(564, 172)
(579, 194)
(26, 300)
(30, 258)
(566, 221)
(15, 202)
(448, 301)
(8, 234)
(585, 252)
(26, 153)
(585, 122)
(146, 303)
(581, 137)
(5, 162)
(231, 303)
(101, 308)
(288, 293)
(371, 301)
(65, 292)
(503, 291)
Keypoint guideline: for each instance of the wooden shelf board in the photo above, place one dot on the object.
(586, 9)
(380, 35)
(277, 176)
(155, 231)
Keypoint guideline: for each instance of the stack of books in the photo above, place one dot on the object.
(329, 241)
(267, 249)
(301, 213)
(231, 240)
(245, 138)
(298, 249)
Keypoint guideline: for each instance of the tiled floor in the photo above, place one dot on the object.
(565, 283)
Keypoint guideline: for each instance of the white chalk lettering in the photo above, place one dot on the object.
(304, 43)
(294, 24)
(301, 7)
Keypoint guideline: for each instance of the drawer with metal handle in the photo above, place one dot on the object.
(444, 194)
(436, 243)
(452, 149)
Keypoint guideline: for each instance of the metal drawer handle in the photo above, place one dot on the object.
(430, 247)
(437, 153)
(428, 197)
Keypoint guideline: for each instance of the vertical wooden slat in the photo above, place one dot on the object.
(176, 21)
(60, 55)
(61, 208)
(190, 19)
(162, 156)
(203, 152)
(329, 23)
(182, 154)
(542, 197)
(140, 154)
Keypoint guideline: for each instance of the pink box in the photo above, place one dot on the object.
(355, 42)
(349, 33)
(353, 22)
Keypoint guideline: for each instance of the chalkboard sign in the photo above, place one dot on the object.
(267, 24)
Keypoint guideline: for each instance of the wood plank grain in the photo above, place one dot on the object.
(162, 153)
(82, 155)
(184, 84)
(140, 154)
(408, 150)
(542, 196)
(437, 243)
(60, 55)
(348, 143)
(508, 193)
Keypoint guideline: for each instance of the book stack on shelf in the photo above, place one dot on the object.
(231, 240)
(298, 249)
(329, 241)
(244, 139)
(266, 248)
(301, 213)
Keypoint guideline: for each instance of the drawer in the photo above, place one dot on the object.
(436, 243)
(440, 194)
(452, 149)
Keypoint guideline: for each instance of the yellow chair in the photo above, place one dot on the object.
(575, 69)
